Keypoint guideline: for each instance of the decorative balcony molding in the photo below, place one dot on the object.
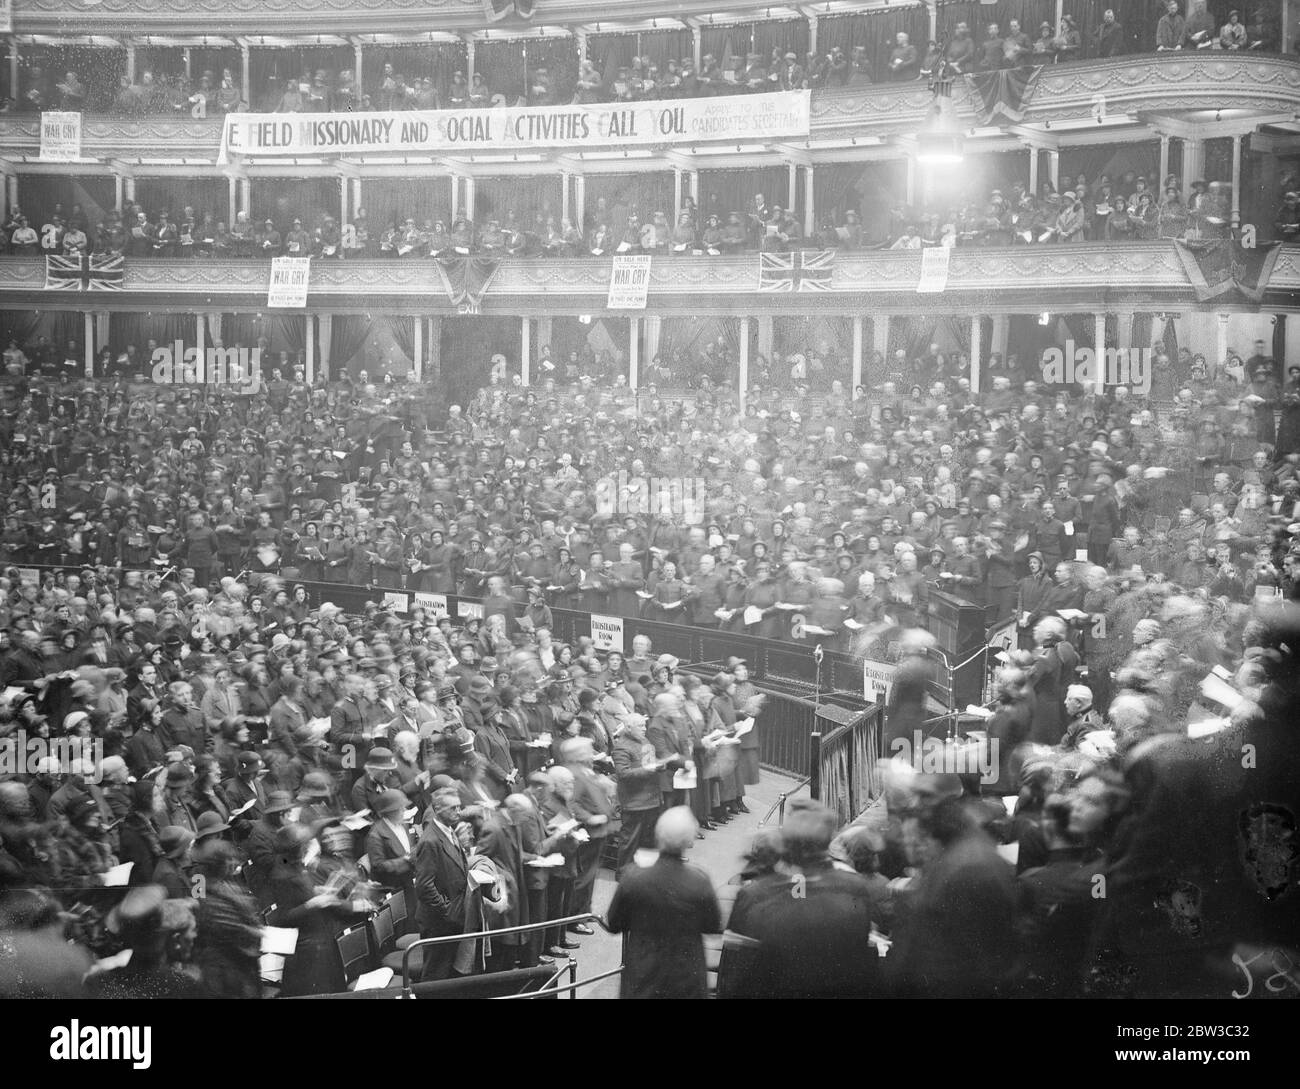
(1136, 84)
(1163, 83)
(263, 16)
(1084, 277)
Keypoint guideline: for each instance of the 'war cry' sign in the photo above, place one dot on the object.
(598, 126)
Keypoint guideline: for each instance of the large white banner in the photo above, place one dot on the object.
(781, 115)
(629, 282)
(60, 137)
(289, 279)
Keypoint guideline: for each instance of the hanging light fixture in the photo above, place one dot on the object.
(939, 143)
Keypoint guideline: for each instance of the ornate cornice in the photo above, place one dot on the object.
(1086, 277)
(290, 16)
(1162, 84)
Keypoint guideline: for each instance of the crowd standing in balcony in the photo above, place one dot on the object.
(323, 90)
(189, 630)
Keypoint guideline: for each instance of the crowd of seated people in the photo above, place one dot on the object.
(322, 90)
(188, 630)
(1126, 208)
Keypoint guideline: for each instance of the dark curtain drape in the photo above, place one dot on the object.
(98, 69)
(643, 193)
(870, 189)
(214, 60)
(435, 60)
(174, 195)
(723, 42)
(1113, 160)
(559, 56)
(877, 30)
(19, 325)
(348, 334)
(692, 334)
(68, 325)
(41, 193)
(139, 329)
(1279, 346)
(393, 200)
(803, 334)
(1165, 379)
(661, 46)
(789, 36)
(977, 16)
(270, 68)
(1081, 329)
(503, 66)
(958, 329)
(242, 330)
(522, 198)
(289, 330)
(912, 334)
(610, 52)
(725, 191)
(1027, 340)
(284, 200)
(403, 333)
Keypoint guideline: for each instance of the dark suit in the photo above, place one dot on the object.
(440, 884)
(959, 936)
(589, 800)
(665, 909)
(499, 839)
(390, 862)
(638, 795)
(810, 945)
(260, 847)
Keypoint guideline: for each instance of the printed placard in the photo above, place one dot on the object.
(629, 282)
(60, 136)
(399, 603)
(607, 632)
(934, 270)
(469, 610)
(289, 279)
(877, 680)
(434, 604)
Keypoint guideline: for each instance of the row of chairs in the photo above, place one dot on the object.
(378, 941)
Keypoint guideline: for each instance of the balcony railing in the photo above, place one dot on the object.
(1089, 275)
(1130, 86)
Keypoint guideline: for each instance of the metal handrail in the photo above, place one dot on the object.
(781, 800)
(560, 990)
(526, 928)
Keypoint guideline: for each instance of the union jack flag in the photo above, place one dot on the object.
(89, 272)
(802, 271)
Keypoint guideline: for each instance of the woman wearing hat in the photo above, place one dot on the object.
(318, 915)
(390, 846)
(172, 869)
(228, 943)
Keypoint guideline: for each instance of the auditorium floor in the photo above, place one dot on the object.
(719, 853)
